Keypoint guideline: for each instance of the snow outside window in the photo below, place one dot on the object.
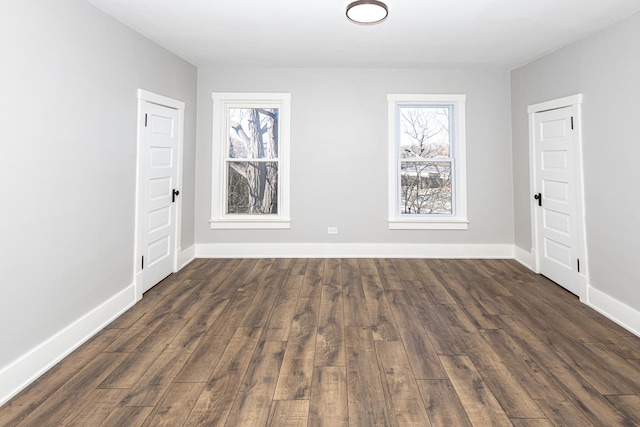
(427, 162)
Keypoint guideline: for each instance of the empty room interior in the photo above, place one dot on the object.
(338, 213)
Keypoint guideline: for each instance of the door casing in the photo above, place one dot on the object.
(143, 98)
(574, 102)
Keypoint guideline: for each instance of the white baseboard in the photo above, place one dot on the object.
(26, 369)
(619, 312)
(524, 257)
(186, 256)
(351, 250)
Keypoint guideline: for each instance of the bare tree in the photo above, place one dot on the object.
(253, 179)
(425, 160)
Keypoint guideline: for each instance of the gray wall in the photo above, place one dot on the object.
(606, 69)
(69, 75)
(339, 152)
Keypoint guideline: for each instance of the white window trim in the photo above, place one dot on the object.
(220, 219)
(459, 220)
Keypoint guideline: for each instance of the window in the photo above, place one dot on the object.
(250, 179)
(427, 176)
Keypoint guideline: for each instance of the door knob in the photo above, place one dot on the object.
(173, 196)
(538, 197)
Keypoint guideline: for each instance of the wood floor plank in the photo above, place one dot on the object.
(556, 321)
(332, 273)
(282, 264)
(477, 399)
(217, 276)
(161, 337)
(258, 313)
(456, 288)
(97, 407)
(621, 369)
(584, 362)
(150, 301)
(330, 337)
(253, 280)
(60, 405)
(383, 324)
(289, 413)
(425, 274)
(591, 403)
(25, 402)
(388, 275)
(253, 402)
(531, 422)
(284, 309)
(540, 386)
(463, 328)
(604, 330)
(312, 282)
(355, 308)
(422, 355)
(328, 405)
(130, 370)
(294, 381)
(217, 398)
(130, 416)
(475, 267)
(626, 347)
(232, 279)
(486, 295)
(404, 270)
(148, 390)
(175, 406)
(298, 267)
(442, 403)
(629, 404)
(401, 389)
(368, 267)
(511, 395)
(438, 330)
(150, 323)
(367, 406)
(208, 352)
(358, 342)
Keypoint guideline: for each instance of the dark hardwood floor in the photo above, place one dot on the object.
(346, 342)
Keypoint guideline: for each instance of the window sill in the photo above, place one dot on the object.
(450, 224)
(249, 224)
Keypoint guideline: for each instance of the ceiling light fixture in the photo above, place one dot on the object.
(367, 12)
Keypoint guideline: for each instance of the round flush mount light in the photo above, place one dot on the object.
(367, 12)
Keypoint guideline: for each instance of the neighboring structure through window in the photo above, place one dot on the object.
(250, 159)
(427, 170)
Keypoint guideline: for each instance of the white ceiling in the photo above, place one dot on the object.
(316, 33)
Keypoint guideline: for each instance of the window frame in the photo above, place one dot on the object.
(222, 102)
(458, 219)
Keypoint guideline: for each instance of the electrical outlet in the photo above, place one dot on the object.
(332, 230)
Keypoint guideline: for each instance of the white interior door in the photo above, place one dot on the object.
(555, 198)
(160, 138)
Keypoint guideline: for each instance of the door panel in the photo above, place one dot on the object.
(161, 144)
(555, 180)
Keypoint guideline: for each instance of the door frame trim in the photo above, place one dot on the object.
(153, 98)
(575, 103)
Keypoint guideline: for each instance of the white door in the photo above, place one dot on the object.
(555, 197)
(160, 139)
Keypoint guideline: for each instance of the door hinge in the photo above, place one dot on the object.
(146, 117)
(571, 122)
(578, 265)
(142, 262)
